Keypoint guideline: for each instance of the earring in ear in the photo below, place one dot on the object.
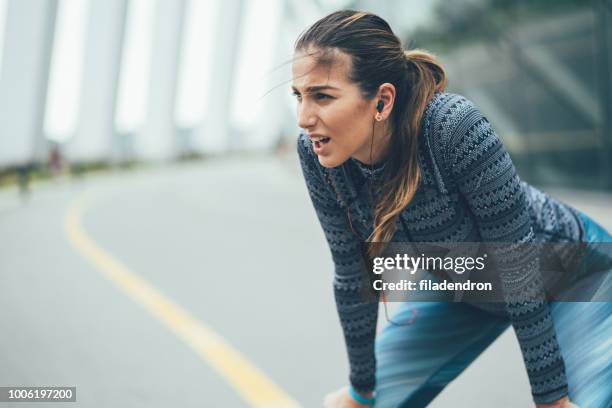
(378, 117)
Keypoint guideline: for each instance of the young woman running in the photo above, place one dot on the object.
(387, 155)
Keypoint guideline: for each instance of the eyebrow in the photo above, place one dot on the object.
(316, 88)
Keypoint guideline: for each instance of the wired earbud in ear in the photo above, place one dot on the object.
(379, 107)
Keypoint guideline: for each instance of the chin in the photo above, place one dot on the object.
(331, 161)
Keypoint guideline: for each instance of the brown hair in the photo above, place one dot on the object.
(378, 57)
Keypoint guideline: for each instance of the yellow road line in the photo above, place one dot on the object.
(250, 382)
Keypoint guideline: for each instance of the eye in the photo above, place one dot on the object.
(322, 96)
(297, 95)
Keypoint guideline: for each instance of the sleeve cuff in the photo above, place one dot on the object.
(550, 396)
(362, 385)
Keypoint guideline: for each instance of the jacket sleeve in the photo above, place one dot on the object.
(358, 316)
(487, 179)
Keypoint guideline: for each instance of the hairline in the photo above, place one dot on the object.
(330, 56)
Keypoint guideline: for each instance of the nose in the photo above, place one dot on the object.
(306, 115)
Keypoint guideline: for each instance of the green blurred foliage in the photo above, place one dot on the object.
(460, 22)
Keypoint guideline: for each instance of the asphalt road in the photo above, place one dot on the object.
(192, 285)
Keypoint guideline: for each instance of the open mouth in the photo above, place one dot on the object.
(321, 141)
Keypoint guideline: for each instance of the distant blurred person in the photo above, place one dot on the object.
(387, 155)
(56, 161)
(23, 180)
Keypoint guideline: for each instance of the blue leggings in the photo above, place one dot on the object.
(415, 362)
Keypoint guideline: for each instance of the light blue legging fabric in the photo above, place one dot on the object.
(415, 362)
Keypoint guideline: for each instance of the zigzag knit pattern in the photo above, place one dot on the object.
(469, 192)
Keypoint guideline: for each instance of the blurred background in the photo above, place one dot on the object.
(152, 208)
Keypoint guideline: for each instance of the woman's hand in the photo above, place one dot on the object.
(342, 399)
(562, 403)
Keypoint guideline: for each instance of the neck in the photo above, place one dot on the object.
(377, 147)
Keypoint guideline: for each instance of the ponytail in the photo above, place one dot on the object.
(424, 77)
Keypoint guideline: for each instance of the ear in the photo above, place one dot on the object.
(386, 93)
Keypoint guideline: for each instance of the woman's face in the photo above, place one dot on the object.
(332, 110)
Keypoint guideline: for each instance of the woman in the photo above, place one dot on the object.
(388, 156)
